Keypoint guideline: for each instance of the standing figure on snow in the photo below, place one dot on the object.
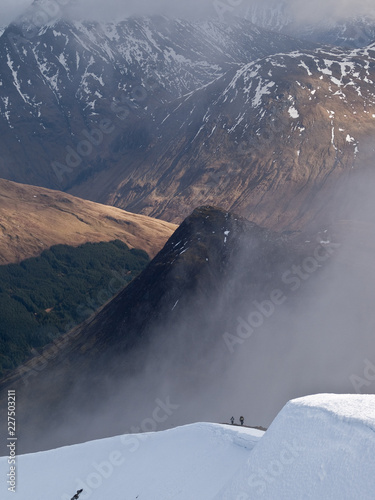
(242, 420)
(77, 495)
(232, 420)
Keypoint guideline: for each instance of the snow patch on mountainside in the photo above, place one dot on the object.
(293, 112)
(87, 59)
(258, 84)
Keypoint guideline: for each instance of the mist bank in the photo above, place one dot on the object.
(295, 11)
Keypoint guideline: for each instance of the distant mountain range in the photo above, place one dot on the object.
(272, 140)
(159, 116)
(343, 29)
(61, 84)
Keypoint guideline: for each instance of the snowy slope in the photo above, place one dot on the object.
(319, 447)
(334, 74)
(93, 61)
(191, 462)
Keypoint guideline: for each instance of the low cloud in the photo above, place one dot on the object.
(330, 10)
(304, 11)
(301, 10)
(10, 9)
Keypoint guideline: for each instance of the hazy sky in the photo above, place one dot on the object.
(321, 9)
(10, 9)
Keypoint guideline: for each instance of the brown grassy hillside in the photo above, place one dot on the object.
(33, 219)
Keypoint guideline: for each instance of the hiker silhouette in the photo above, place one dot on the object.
(242, 420)
(76, 496)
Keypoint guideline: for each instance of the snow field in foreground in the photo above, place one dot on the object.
(319, 447)
(191, 462)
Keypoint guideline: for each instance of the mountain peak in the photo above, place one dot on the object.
(42, 13)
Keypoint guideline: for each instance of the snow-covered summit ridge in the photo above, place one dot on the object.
(352, 408)
(194, 461)
(318, 447)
